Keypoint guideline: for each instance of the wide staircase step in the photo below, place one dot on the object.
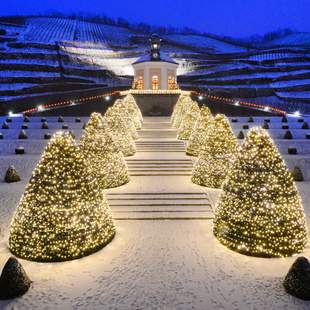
(160, 158)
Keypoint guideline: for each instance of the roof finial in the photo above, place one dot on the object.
(155, 46)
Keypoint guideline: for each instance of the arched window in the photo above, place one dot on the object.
(155, 82)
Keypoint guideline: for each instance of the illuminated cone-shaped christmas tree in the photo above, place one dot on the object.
(63, 214)
(128, 110)
(197, 138)
(260, 211)
(177, 116)
(217, 154)
(130, 100)
(117, 111)
(120, 133)
(95, 123)
(177, 110)
(189, 119)
(106, 161)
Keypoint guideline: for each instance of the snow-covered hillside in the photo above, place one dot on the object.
(49, 52)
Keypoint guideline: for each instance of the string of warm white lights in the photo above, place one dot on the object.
(62, 214)
(239, 102)
(216, 155)
(43, 107)
(260, 211)
(197, 137)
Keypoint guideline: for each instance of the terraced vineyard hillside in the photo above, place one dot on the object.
(45, 55)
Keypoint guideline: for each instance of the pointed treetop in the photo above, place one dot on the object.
(95, 121)
(205, 111)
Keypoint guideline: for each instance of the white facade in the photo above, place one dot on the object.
(155, 75)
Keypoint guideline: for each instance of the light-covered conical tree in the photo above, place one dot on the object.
(260, 212)
(183, 101)
(191, 113)
(62, 214)
(105, 160)
(130, 100)
(120, 133)
(117, 111)
(217, 154)
(126, 108)
(200, 131)
(95, 123)
(177, 110)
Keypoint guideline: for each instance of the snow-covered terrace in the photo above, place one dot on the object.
(164, 256)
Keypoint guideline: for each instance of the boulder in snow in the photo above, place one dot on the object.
(297, 174)
(14, 281)
(22, 134)
(297, 281)
(11, 175)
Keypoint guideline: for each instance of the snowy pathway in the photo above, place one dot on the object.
(164, 255)
(160, 185)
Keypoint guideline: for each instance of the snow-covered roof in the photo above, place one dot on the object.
(162, 57)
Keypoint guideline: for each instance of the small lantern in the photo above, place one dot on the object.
(155, 47)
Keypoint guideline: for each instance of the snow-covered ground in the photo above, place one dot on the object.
(273, 55)
(205, 42)
(300, 38)
(296, 94)
(291, 83)
(19, 73)
(46, 62)
(15, 86)
(168, 260)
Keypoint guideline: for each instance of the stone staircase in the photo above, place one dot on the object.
(160, 186)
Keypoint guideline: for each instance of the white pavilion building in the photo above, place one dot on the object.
(155, 70)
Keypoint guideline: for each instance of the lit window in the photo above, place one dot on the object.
(155, 82)
(172, 82)
(138, 83)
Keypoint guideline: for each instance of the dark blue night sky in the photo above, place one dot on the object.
(237, 18)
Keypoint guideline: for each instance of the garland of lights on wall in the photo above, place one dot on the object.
(260, 212)
(239, 103)
(44, 107)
